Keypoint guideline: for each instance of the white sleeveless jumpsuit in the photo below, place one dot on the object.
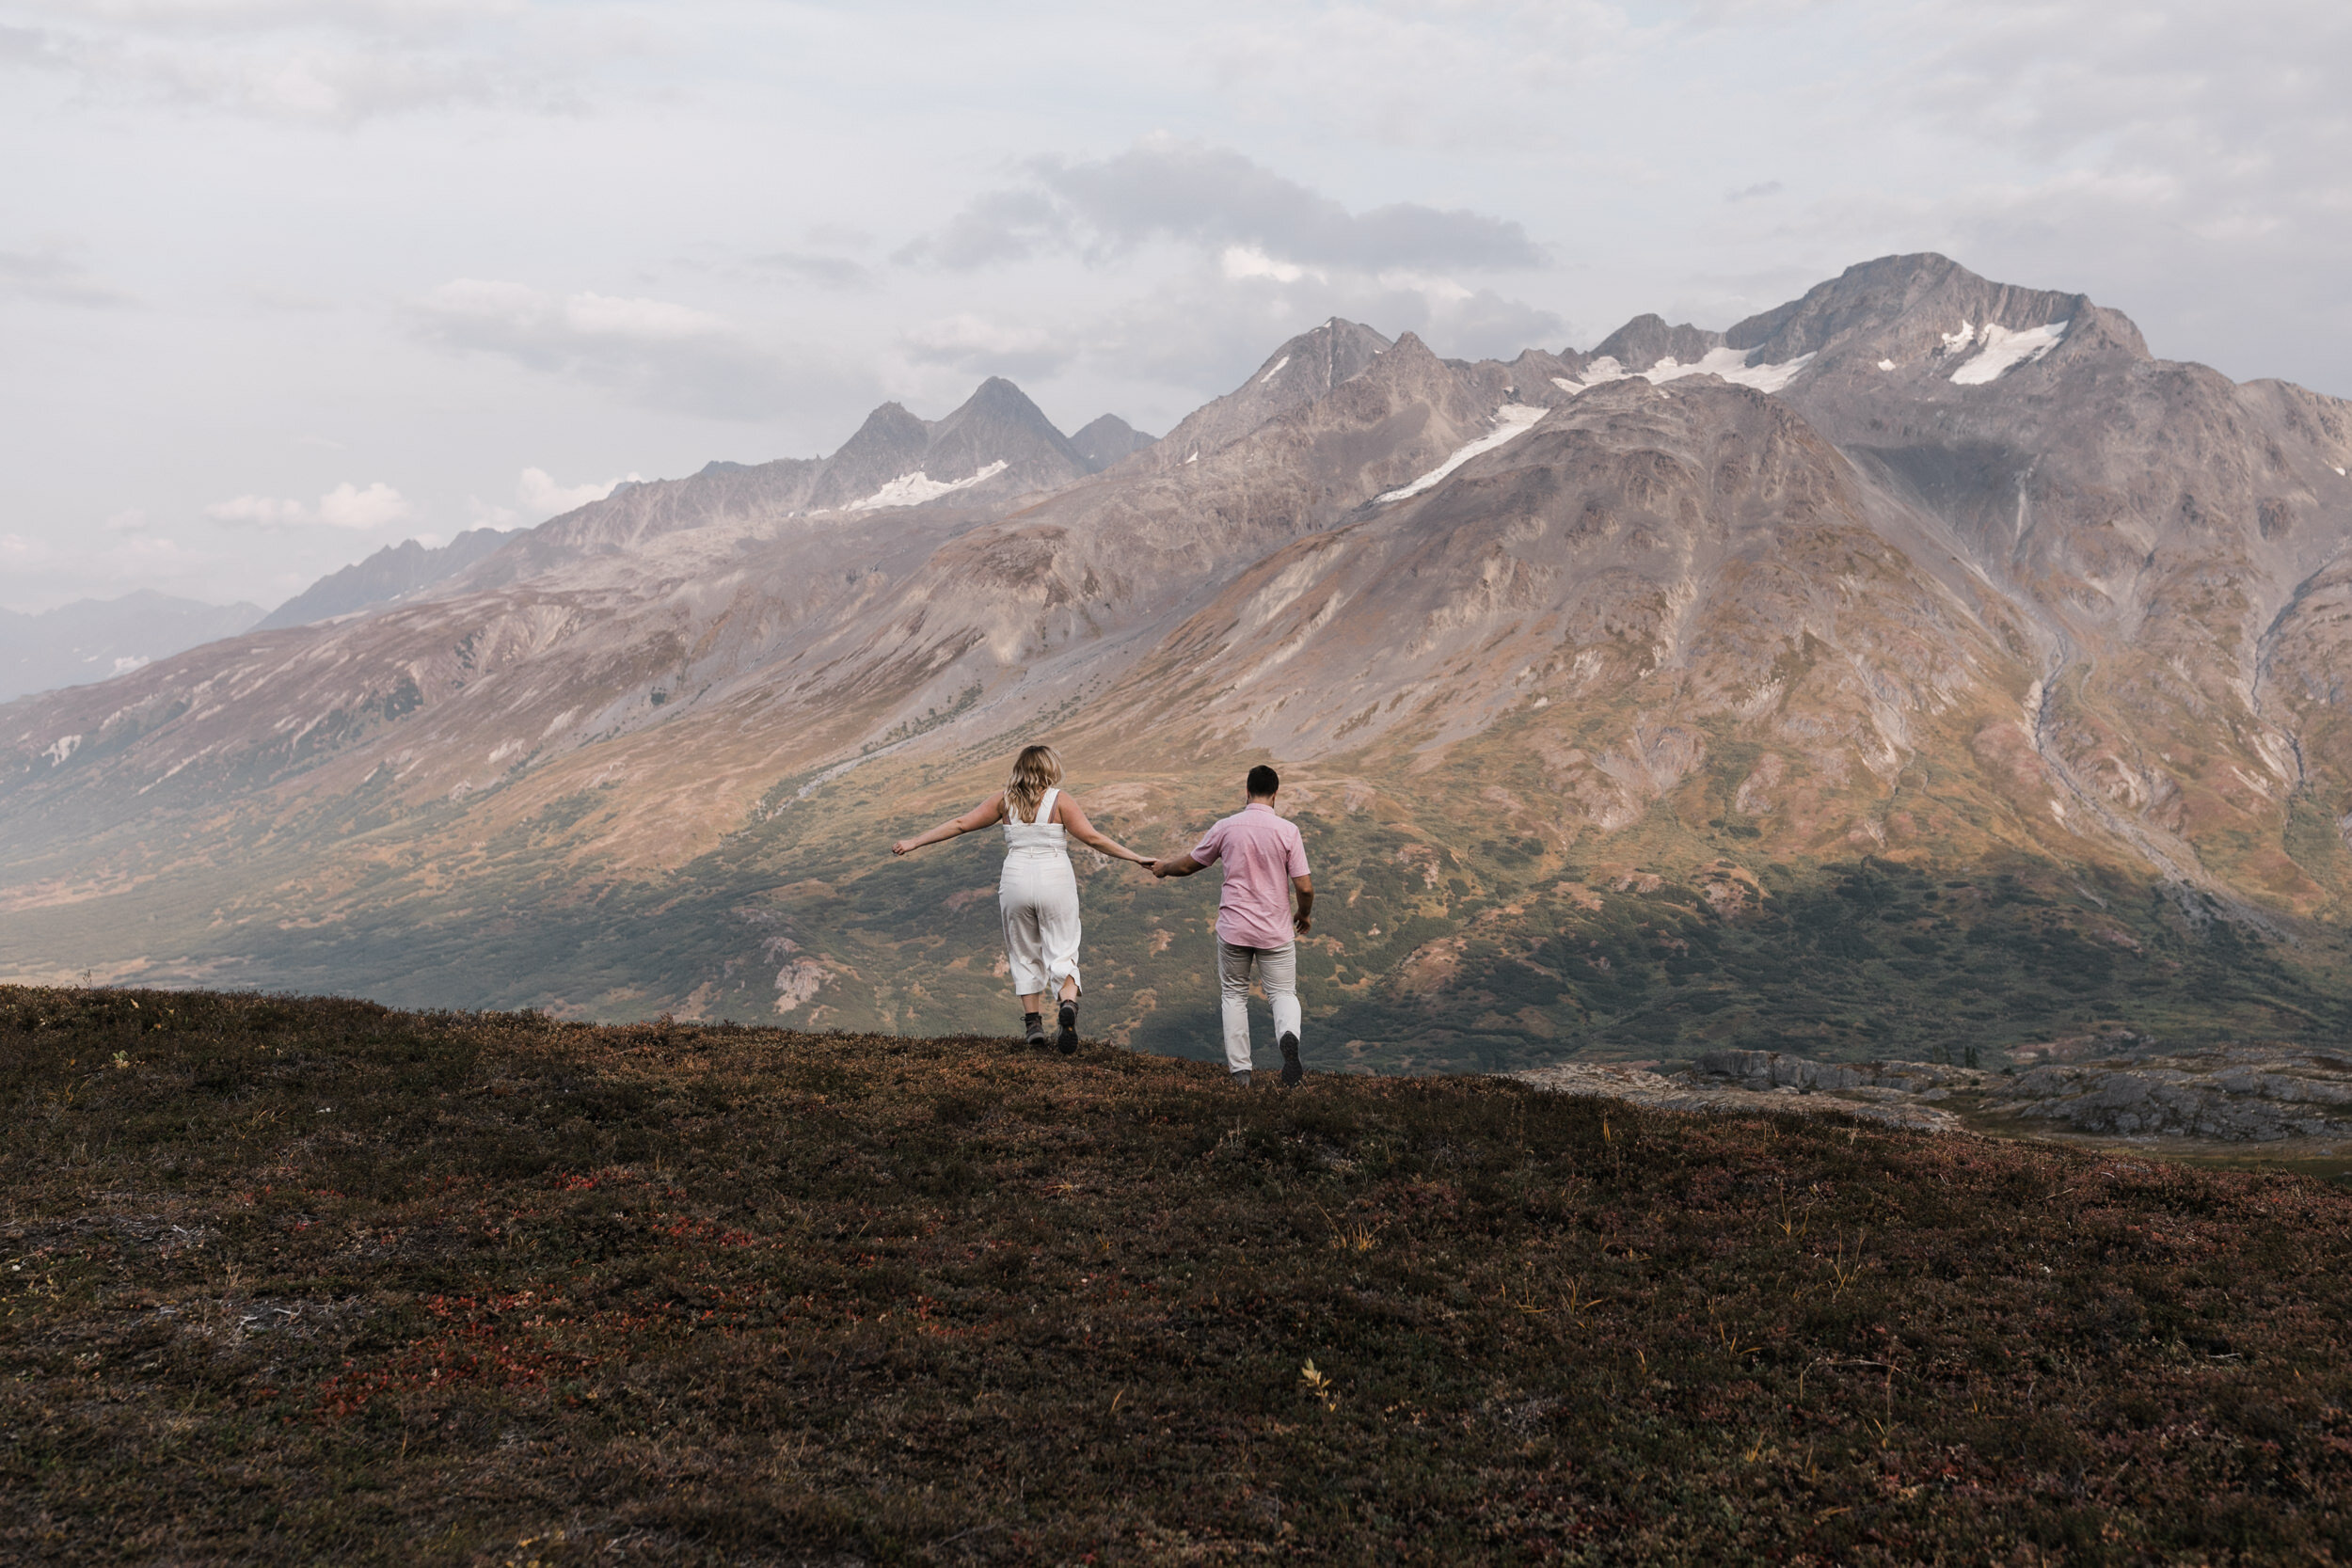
(1038, 896)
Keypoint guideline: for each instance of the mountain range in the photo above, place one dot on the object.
(392, 572)
(95, 640)
(1920, 666)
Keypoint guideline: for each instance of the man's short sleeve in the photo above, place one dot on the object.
(1298, 851)
(1211, 846)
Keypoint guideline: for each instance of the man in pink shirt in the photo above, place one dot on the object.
(1257, 930)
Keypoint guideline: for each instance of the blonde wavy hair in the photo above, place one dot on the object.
(1037, 770)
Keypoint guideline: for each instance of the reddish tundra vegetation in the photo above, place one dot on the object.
(295, 1280)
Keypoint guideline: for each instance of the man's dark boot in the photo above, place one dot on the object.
(1292, 1071)
(1068, 1039)
(1033, 1026)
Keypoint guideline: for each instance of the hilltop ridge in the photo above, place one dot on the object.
(474, 1279)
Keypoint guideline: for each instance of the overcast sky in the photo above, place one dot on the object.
(282, 282)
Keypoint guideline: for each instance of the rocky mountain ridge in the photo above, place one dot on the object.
(390, 573)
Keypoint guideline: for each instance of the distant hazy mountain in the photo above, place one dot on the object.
(387, 574)
(94, 639)
(1108, 439)
(1922, 664)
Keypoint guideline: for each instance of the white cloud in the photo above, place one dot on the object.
(991, 346)
(346, 506)
(657, 352)
(1237, 261)
(539, 495)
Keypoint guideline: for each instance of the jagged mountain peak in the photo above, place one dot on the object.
(1645, 340)
(1302, 369)
(998, 404)
(1899, 308)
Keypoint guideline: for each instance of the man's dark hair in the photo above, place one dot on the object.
(1263, 780)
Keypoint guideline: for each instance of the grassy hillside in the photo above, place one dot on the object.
(1453, 931)
(303, 1281)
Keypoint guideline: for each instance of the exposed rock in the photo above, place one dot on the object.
(1697, 1092)
(1308, 367)
(1644, 340)
(1766, 1071)
(2239, 1094)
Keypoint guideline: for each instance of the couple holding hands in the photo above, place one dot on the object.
(1264, 861)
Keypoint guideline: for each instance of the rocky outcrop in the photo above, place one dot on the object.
(2232, 1095)
(1765, 1071)
(2239, 1094)
(1702, 1092)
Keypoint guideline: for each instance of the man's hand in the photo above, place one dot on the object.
(903, 847)
(1304, 920)
(1183, 865)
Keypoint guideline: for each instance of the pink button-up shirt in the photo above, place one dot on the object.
(1262, 853)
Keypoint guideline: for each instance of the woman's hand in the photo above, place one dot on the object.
(988, 811)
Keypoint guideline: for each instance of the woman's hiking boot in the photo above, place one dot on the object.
(1068, 1039)
(1292, 1071)
(1033, 1026)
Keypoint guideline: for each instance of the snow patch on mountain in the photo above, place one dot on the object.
(915, 488)
(1729, 363)
(2004, 351)
(1275, 371)
(1512, 420)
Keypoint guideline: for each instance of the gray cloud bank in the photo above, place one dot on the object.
(1200, 195)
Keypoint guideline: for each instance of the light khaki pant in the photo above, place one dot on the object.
(1277, 970)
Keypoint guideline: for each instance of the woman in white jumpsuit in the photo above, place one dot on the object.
(1037, 894)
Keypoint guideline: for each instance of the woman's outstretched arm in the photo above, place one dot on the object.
(1072, 815)
(987, 812)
